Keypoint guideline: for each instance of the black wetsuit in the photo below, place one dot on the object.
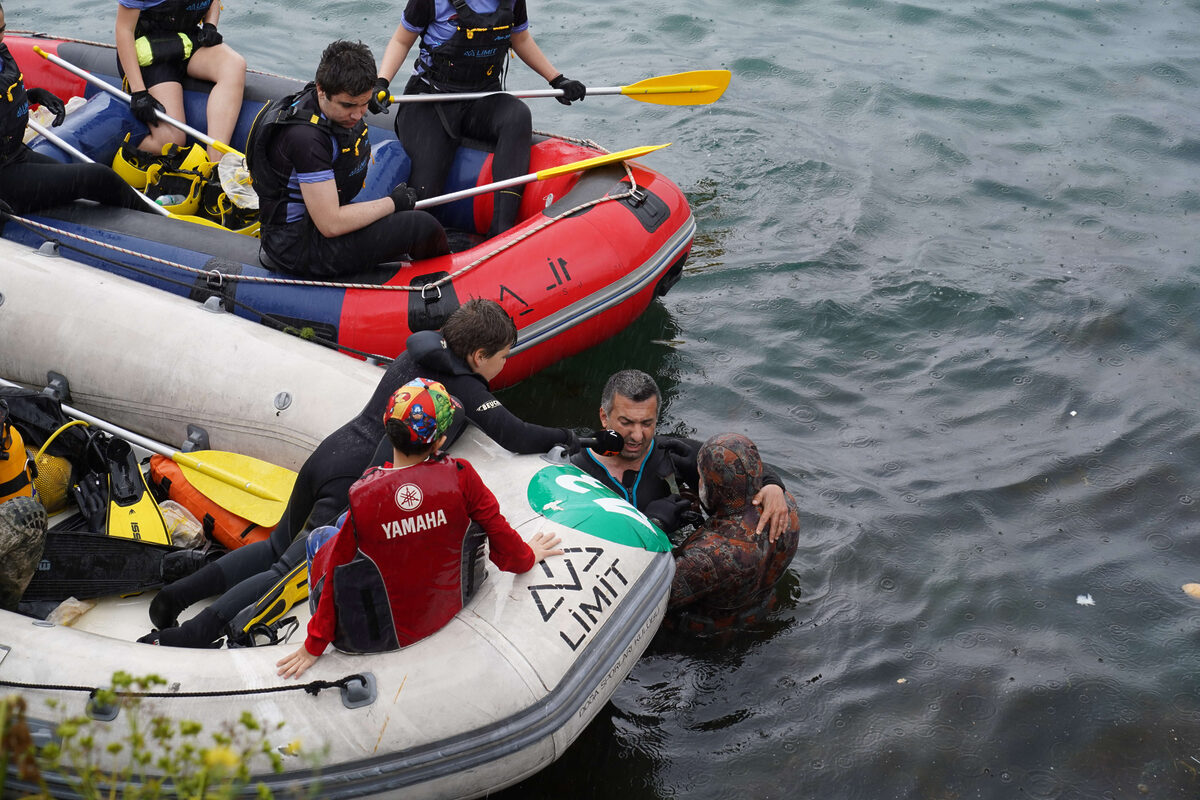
(431, 132)
(292, 143)
(30, 181)
(322, 489)
(669, 468)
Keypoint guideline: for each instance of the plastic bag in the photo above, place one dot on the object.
(183, 526)
(69, 610)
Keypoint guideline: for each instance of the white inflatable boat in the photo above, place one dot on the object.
(496, 695)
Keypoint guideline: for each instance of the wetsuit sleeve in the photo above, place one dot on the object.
(507, 549)
(417, 15)
(695, 575)
(510, 432)
(323, 625)
(309, 151)
(520, 17)
(771, 477)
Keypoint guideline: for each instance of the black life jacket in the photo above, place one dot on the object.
(15, 106)
(172, 16)
(472, 60)
(301, 108)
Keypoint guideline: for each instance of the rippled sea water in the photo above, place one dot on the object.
(946, 276)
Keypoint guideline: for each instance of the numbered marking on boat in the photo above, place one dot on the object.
(580, 588)
(559, 270)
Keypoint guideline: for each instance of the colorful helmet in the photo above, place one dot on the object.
(425, 408)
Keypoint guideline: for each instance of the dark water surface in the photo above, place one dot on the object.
(946, 276)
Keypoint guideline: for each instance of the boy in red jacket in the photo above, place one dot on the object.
(402, 543)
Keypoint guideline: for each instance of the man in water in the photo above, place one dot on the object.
(654, 472)
(308, 155)
(725, 571)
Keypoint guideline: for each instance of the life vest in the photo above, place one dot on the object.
(171, 16)
(472, 60)
(412, 529)
(271, 184)
(16, 476)
(15, 106)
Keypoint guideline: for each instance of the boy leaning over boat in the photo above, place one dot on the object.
(308, 155)
(402, 543)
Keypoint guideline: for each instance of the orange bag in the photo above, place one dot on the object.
(220, 525)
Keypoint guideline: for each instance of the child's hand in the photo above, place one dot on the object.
(543, 545)
(293, 666)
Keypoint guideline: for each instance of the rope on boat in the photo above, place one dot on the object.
(269, 320)
(216, 277)
(312, 687)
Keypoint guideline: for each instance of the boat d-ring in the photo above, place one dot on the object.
(437, 287)
(215, 279)
(637, 196)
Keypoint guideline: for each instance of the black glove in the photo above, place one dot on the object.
(50, 102)
(571, 90)
(683, 457)
(404, 196)
(381, 96)
(207, 36)
(143, 105)
(668, 512)
(91, 495)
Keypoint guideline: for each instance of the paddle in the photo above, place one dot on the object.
(249, 487)
(115, 92)
(698, 88)
(541, 175)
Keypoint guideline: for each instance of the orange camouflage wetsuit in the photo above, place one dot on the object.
(724, 571)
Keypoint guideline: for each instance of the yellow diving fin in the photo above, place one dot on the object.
(268, 609)
(132, 512)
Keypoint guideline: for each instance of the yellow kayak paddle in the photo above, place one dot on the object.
(543, 174)
(696, 88)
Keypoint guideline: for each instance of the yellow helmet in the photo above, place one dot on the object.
(16, 470)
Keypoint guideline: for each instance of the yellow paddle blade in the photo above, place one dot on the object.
(697, 88)
(249, 487)
(599, 161)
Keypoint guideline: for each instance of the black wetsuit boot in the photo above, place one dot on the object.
(201, 630)
(175, 597)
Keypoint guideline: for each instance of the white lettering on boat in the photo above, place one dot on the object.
(414, 524)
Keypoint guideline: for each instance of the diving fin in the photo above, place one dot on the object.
(268, 609)
(132, 512)
(87, 565)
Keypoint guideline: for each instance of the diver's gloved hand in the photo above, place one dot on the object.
(143, 105)
(207, 36)
(381, 96)
(668, 512)
(683, 456)
(404, 196)
(50, 102)
(571, 90)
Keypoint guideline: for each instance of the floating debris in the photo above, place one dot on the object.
(1192, 590)
(1085, 600)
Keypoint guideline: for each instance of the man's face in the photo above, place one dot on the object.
(635, 421)
(343, 109)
